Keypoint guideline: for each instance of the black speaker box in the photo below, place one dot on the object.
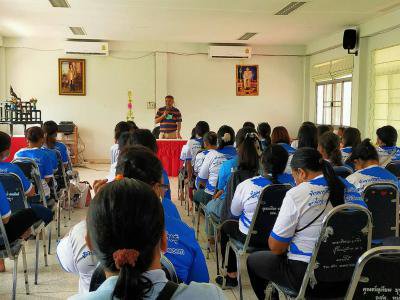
(350, 39)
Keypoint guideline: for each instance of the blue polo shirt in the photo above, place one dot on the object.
(41, 158)
(184, 252)
(53, 157)
(63, 150)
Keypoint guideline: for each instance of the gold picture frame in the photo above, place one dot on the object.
(247, 80)
(71, 77)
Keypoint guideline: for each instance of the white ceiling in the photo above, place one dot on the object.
(199, 21)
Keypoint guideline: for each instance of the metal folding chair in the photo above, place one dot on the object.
(394, 168)
(382, 200)
(169, 269)
(267, 210)
(342, 171)
(15, 193)
(377, 275)
(12, 252)
(345, 235)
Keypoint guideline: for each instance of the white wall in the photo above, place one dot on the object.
(203, 88)
(380, 32)
(35, 74)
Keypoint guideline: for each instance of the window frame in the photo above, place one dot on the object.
(348, 78)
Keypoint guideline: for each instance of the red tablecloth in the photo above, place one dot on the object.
(17, 142)
(169, 152)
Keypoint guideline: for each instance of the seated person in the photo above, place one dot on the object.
(120, 128)
(75, 257)
(183, 250)
(145, 138)
(132, 126)
(280, 136)
(299, 222)
(50, 129)
(247, 158)
(249, 124)
(210, 140)
(350, 139)
(329, 147)
(368, 171)
(35, 138)
(307, 136)
(244, 204)
(207, 178)
(321, 129)
(195, 145)
(43, 213)
(264, 134)
(133, 267)
(16, 225)
(387, 149)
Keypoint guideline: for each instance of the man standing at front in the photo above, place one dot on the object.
(170, 120)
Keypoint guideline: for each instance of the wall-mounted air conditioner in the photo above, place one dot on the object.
(229, 52)
(87, 48)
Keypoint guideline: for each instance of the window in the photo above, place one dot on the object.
(334, 101)
(386, 89)
(333, 83)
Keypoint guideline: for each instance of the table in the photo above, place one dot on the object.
(169, 152)
(17, 143)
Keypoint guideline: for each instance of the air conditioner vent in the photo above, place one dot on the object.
(59, 3)
(77, 30)
(291, 7)
(247, 36)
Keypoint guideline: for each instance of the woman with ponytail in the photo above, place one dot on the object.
(126, 231)
(329, 147)
(244, 203)
(351, 139)
(207, 178)
(299, 222)
(280, 136)
(247, 159)
(366, 161)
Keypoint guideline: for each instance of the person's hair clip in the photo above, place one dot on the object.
(226, 137)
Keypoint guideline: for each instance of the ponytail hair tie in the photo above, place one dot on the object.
(227, 137)
(125, 257)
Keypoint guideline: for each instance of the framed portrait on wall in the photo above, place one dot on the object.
(71, 77)
(246, 80)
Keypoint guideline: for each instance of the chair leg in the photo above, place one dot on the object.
(216, 247)
(44, 246)
(37, 258)
(25, 270)
(58, 221)
(225, 264)
(239, 276)
(48, 250)
(15, 271)
(69, 205)
(198, 222)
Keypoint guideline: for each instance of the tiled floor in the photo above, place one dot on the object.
(54, 283)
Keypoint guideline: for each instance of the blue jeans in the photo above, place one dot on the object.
(43, 213)
(213, 207)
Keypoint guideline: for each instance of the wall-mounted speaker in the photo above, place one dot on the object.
(350, 41)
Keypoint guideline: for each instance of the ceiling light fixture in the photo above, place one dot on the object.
(59, 3)
(247, 36)
(292, 6)
(78, 30)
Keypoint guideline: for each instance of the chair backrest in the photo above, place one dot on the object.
(267, 210)
(60, 175)
(14, 189)
(377, 275)
(4, 242)
(345, 235)
(237, 177)
(169, 269)
(342, 171)
(394, 168)
(382, 200)
(31, 170)
(16, 196)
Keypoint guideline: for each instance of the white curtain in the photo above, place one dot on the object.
(333, 69)
(385, 89)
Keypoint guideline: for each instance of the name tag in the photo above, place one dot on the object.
(169, 117)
